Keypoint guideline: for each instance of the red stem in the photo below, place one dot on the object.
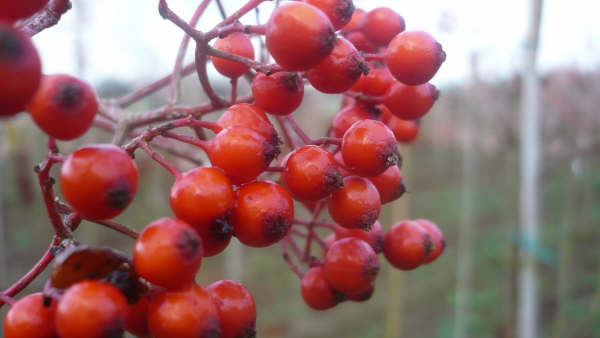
(238, 14)
(168, 14)
(286, 133)
(66, 209)
(234, 85)
(374, 56)
(201, 58)
(303, 136)
(189, 140)
(47, 17)
(160, 160)
(267, 69)
(328, 140)
(286, 257)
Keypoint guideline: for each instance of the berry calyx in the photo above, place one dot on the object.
(389, 184)
(339, 12)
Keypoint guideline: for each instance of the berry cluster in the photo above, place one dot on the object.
(247, 191)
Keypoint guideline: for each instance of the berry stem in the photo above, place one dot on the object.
(303, 136)
(275, 169)
(201, 58)
(168, 14)
(234, 85)
(66, 209)
(286, 133)
(221, 9)
(288, 259)
(159, 159)
(322, 224)
(267, 69)
(189, 140)
(327, 140)
(250, 5)
(7, 300)
(47, 17)
(311, 232)
(233, 28)
(374, 56)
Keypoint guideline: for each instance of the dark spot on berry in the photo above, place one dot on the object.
(276, 226)
(333, 179)
(221, 230)
(390, 154)
(77, 265)
(428, 244)
(10, 45)
(378, 244)
(371, 268)
(274, 139)
(270, 151)
(249, 331)
(344, 10)
(338, 297)
(68, 95)
(119, 195)
(46, 301)
(367, 219)
(400, 191)
(327, 40)
(212, 329)
(293, 82)
(188, 243)
(114, 328)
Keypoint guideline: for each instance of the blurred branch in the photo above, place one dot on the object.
(47, 17)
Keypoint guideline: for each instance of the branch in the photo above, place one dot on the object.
(47, 17)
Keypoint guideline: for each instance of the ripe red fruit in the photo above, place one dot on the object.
(299, 36)
(31, 316)
(414, 57)
(11, 10)
(241, 153)
(406, 245)
(249, 116)
(212, 190)
(356, 204)
(279, 94)
(373, 236)
(263, 214)
(363, 295)
(237, 310)
(351, 266)
(404, 130)
(91, 308)
(382, 25)
(437, 237)
(410, 102)
(311, 173)
(369, 148)
(357, 20)
(316, 291)
(20, 67)
(64, 106)
(235, 43)
(346, 117)
(360, 41)
(339, 12)
(389, 184)
(188, 312)
(99, 181)
(168, 253)
(136, 318)
(376, 83)
(339, 71)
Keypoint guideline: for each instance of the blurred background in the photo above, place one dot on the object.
(463, 172)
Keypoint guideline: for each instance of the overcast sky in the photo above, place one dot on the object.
(128, 40)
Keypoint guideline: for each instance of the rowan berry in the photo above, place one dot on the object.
(389, 184)
(437, 238)
(362, 295)
(356, 204)
(31, 316)
(316, 291)
(357, 20)
(11, 10)
(237, 310)
(382, 25)
(339, 12)
(20, 67)
(263, 213)
(346, 117)
(250, 116)
(279, 94)
(64, 106)
(373, 236)
(136, 318)
(414, 57)
(351, 266)
(376, 83)
(404, 130)
(410, 102)
(360, 41)
(168, 253)
(99, 181)
(235, 43)
(91, 308)
(406, 245)
(299, 36)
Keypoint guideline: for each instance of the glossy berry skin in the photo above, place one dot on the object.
(32, 317)
(20, 68)
(299, 36)
(410, 102)
(183, 313)
(235, 43)
(376, 83)
(357, 21)
(311, 173)
(136, 318)
(11, 10)
(241, 153)
(249, 116)
(351, 266)
(406, 245)
(64, 106)
(356, 204)
(361, 42)
(346, 117)
(374, 236)
(316, 291)
(99, 181)
(369, 148)
(237, 310)
(339, 12)
(168, 253)
(382, 25)
(363, 295)
(91, 308)
(263, 214)
(405, 131)
(437, 237)
(339, 71)
(414, 57)
(389, 184)
(203, 197)
(280, 93)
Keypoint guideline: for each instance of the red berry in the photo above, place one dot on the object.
(249, 116)
(211, 189)
(339, 71)
(404, 130)
(360, 41)
(31, 316)
(11, 10)
(406, 245)
(357, 20)
(241, 153)
(414, 57)
(346, 117)
(299, 36)
(20, 67)
(311, 173)
(237, 310)
(362, 295)
(389, 184)
(369, 148)
(329, 240)
(235, 43)
(339, 12)
(279, 94)
(410, 102)
(376, 83)
(356, 204)
(188, 312)
(168, 253)
(136, 318)
(351, 266)
(316, 291)
(91, 308)
(437, 237)
(263, 214)
(99, 181)
(382, 25)
(373, 236)
(64, 106)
